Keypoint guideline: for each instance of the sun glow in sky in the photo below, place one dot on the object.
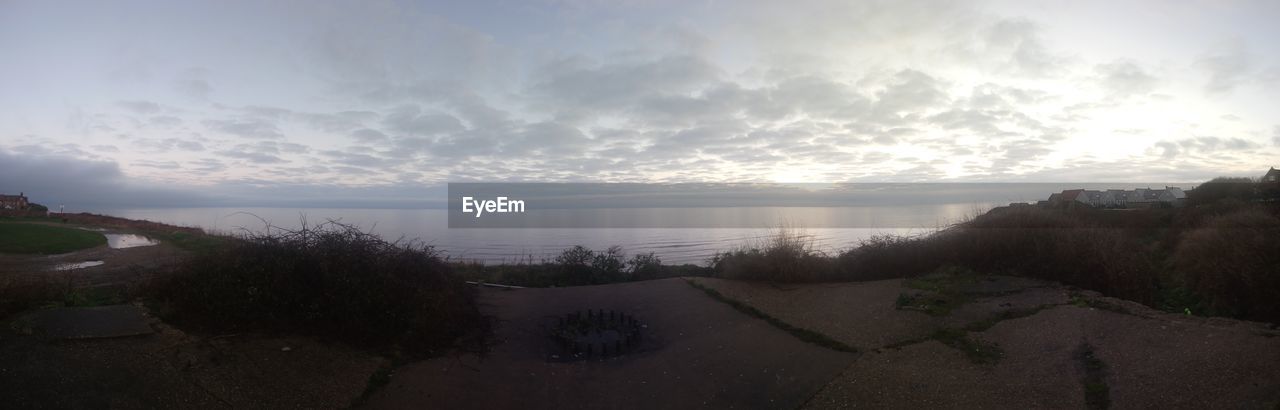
(284, 100)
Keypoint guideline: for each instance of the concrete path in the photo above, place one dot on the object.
(700, 353)
(67, 361)
(1141, 358)
(86, 322)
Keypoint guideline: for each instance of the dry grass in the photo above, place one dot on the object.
(1233, 261)
(786, 256)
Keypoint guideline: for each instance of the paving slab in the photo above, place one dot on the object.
(1152, 359)
(701, 354)
(859, 314)
(88, 322)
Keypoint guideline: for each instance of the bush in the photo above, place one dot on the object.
(787, 256)
(644, 266)
(331, 281)
(1233, 262)
(578, 266)
(1221, 188)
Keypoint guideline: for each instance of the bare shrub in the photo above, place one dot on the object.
(332, 281)
(788, 255)
(1233, 261)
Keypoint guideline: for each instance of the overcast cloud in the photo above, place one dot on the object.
(370, 103)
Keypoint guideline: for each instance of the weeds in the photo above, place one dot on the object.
(805, 335)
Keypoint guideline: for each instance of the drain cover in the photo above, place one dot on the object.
(595, 334)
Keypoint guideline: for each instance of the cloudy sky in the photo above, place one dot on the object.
(270, 102)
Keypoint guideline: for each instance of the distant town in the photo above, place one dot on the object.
(1140, 198)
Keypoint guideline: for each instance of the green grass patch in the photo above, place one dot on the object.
(943, 291)
(27, 238)
(805, 335)
(194, 242)
(933, 304)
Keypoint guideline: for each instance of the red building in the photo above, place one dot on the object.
(18, 201)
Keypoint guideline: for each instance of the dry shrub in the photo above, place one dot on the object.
(1233, 261)
(788, 255)
(332, 281)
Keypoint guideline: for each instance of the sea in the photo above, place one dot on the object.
(829, 229)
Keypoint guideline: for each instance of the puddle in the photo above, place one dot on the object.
(127, 240)
(76, 265)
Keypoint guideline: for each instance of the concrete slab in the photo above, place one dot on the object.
(88, 322)
(701, 354)
(860, 314)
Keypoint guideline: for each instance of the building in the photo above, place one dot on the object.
(18, 201)
(1118, 198)
(1268, 188)
(1271, 177)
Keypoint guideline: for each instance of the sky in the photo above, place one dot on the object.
(377, 103)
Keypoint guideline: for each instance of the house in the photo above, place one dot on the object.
(1268, 188)
(1117, 198)
(18, 201)
(1271, 177)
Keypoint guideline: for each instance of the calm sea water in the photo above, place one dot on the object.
(673, 245)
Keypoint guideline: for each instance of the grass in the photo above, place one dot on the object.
(30, 238)
(190, 241)
(976, 351)
(805, 335)
(943, 291)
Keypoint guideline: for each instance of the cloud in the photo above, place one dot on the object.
(571, 86)
(1019, 39)
(1228, 67)
(193, 88)
(366, 135)
(140, 107)
(168, 144)
(245, 127)
(1207, 145)
(1124, 78)
(165, 121)
(410, 120)
(55, 179)
(257, 153)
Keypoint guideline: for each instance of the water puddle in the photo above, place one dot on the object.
(76, 265)
(127, 240)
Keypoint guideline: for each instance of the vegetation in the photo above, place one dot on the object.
(331, 281)
(1233, 263)
(578, 266)
(45, 239)
(1215, 256)
(787, 256)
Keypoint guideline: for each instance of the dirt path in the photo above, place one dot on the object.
(699, 353)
